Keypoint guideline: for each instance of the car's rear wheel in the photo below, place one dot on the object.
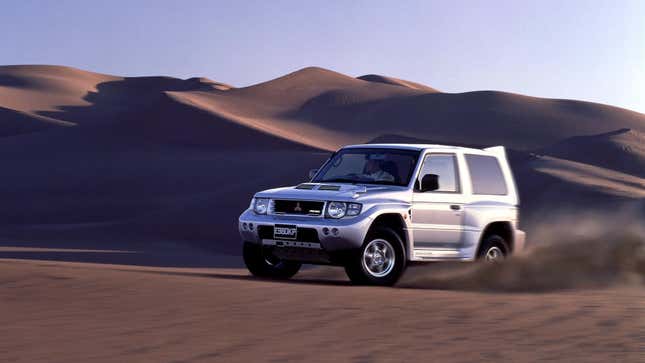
(260, 262)
(380, 261)
(494, 249)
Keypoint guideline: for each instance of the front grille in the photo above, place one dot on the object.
(302, 234)
(297, 207)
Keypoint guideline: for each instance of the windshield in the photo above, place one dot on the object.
(369, 166)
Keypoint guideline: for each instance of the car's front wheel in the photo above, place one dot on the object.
(380, 261)
(260, 262)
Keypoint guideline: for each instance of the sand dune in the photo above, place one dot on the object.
(609, 181)
(312, 106)
(36, 89)
(208, 83)
(397, 82)
(621, 150)
(14, 122)
(280, 106)
(334, 110)
(270, 127)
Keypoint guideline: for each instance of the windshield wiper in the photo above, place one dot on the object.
(354, 181)
(385, 182)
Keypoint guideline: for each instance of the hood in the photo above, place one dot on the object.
(326, 191)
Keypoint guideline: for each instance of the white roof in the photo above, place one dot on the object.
(413, 147)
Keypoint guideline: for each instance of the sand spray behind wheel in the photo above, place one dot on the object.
(567, 252)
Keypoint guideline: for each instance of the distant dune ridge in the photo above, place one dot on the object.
(87, 154)
(397, 82)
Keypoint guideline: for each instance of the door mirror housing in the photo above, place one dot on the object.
(312, 173)
(429, 182)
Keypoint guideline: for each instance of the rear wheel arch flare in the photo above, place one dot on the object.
(503, 229)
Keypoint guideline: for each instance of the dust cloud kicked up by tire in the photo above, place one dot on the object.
(569, 252)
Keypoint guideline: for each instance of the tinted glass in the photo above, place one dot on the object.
(443, 165)
(486, 175)
(369, 166)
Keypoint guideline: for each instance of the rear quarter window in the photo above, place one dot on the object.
(486, 175)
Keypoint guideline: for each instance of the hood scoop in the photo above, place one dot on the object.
(332, 188)
(329, 187)
(306, 186)
(310, 186)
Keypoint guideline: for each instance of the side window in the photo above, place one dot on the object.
(486, 175)
(445, 166)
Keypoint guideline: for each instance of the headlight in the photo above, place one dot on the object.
(354, 209)
(342, 209)
(336, 209)
(260, 205)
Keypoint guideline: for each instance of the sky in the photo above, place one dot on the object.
(591, 50)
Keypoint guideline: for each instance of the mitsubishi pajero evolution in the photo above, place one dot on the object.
(373, 208)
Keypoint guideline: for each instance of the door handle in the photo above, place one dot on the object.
(455, 207)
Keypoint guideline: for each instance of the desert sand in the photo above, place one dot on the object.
(82, 312)
(120, 196)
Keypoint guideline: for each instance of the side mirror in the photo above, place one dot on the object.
(429, 182)
(312, 173)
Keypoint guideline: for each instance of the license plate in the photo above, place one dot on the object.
(281, 231)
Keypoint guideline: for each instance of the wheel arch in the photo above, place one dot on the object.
(397, 221)
(503, 229)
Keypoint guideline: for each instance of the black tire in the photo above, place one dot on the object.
(262, 264)
(490, 244)
(360, 274)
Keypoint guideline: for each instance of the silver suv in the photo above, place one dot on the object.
(373, 208)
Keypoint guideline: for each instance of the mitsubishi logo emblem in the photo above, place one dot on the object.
(297, 208)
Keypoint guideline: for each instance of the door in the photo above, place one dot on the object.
(437, 216)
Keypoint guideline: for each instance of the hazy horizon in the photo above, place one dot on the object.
(559, 50)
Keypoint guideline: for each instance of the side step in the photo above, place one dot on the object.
(428, 254)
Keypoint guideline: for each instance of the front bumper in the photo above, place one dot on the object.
(350, 231)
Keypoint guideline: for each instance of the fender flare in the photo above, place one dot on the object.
(400, 209)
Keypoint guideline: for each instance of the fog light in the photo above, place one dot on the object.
(334, 231)
(325, 231)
